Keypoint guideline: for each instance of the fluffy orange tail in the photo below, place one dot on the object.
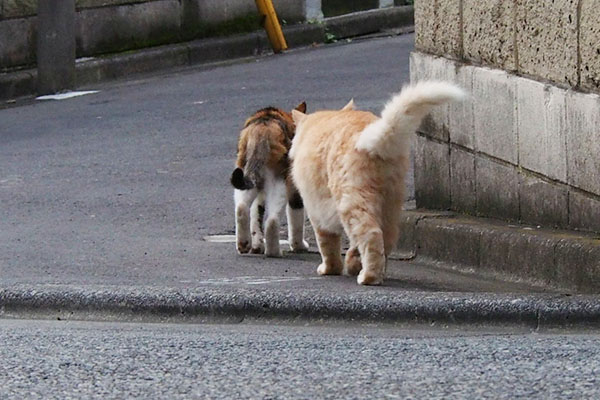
(402, 116)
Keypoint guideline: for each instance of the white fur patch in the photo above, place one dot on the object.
(295, 219)
(275, 194)
(323, 212)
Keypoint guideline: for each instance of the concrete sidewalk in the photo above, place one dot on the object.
(203, 51)
(431, 281)
(255, 289)
(225, 287)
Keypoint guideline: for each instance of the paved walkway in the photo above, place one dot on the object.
(105, 201)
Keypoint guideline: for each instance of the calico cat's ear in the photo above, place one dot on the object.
(298, 116)
(301, 107)
(349, 106)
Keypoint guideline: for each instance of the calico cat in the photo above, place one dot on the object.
(349, 167)
(262, 184)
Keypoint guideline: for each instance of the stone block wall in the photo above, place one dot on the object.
(526, 145)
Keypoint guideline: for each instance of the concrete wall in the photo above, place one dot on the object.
(526, 146)
(115, 25)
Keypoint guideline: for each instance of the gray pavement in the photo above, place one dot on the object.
(127, 182)
(124, 64)
(65, 360)
(105, 201)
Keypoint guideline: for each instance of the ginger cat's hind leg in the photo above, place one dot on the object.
(374, 259)
(352, 263)
(330, 247)
(366, 234)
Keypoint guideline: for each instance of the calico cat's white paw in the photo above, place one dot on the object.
(257, 249)
(299, 247)
(273, 253)
(258, 244)
(242, 229)
(243, 246)
(272, 239)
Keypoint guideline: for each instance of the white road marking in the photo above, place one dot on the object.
(230, 239)
(253, 280)
(11, 180)
(84, 59)
(66, 95)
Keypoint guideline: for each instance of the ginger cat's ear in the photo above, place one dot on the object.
(349, 106)
(298, 116)
(301, 107)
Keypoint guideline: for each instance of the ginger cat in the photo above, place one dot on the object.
(349, 167)
(262, 183)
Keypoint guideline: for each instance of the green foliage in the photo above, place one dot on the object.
(330, 37)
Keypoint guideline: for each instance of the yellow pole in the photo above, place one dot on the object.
(271, 25)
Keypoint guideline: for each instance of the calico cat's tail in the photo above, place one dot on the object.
(402, 116)
(256, 155)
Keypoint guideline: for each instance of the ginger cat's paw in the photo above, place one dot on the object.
(369, 278)
(324, 269)
(352, 263)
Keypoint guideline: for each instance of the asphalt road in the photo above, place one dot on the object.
(64, 360)
(118, 189)
(121, 186)
(106, 199)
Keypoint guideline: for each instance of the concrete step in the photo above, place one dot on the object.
(565, 260)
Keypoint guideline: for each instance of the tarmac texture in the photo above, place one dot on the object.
(106, 201)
